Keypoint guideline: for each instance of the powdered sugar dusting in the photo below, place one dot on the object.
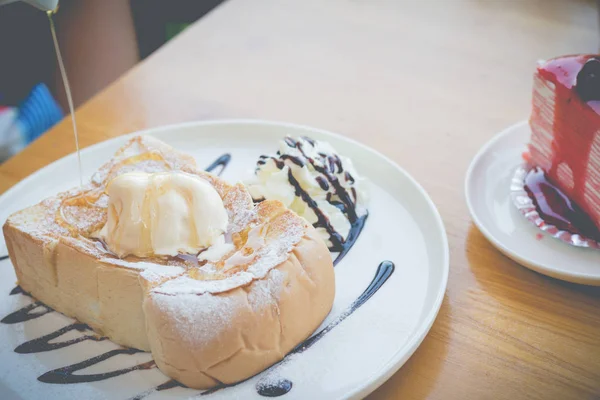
(267, 246)
(272, 233)
(189, 301)
(187, 285)
(239, 207)
(143, 265)
(238, 258)
(266, 291)
(216, 252)
(280, 243)
(186, 309)
(156, 273)
(38, 221)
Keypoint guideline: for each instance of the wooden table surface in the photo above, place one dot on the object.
(426, 83)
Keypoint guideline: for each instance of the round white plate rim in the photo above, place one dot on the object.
(539, 267)
(403, 353)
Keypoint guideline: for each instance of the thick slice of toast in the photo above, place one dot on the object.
(58, 262)
(205, 322)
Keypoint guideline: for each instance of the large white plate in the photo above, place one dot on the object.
(488, 198)
(350, 361)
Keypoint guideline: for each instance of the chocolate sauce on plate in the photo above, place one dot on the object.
(66, 375)
(384, 271)
(18, 290)
(221, 162)
(355, 230)
(27, 313)
(274, 389)
(266, 386)
(556, 208)
(43, 344)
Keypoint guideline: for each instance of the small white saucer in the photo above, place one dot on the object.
(488, 199)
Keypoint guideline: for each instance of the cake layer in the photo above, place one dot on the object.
(565, 139)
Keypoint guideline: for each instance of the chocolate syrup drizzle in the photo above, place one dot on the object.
(222, 162)
(18, 290)
(355, 230)
(274, 389)
(42, 344)
(327, 166)
(67, 374)
(32, 311)
(266, 386)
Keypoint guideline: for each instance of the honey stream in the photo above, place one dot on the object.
(65, 80)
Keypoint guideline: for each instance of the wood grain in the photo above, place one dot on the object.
(426, 83)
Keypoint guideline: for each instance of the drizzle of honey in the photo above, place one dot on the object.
(63, 73)
(87, 199)
(138, 158)
(86, 202)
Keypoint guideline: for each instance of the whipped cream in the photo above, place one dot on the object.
(312, 179)
(163, 214)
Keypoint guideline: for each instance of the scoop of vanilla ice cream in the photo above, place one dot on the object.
(313, 165)
(163, 213)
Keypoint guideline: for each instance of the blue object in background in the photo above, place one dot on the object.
(38, 113)
(22, 125)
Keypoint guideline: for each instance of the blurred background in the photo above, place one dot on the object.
(99, 40)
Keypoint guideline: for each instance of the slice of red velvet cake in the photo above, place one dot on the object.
(565, 128)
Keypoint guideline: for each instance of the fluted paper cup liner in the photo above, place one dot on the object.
(527, 208)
